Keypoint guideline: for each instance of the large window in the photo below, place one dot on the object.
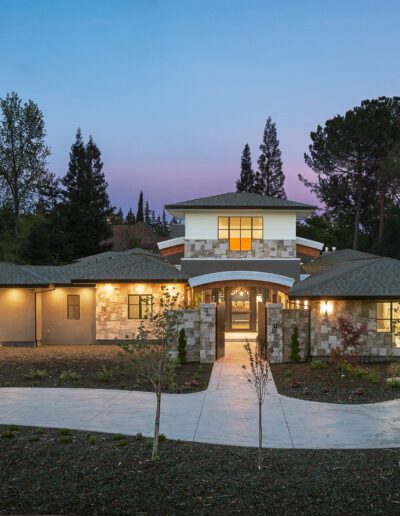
(388, 319)
(140, 306)
(73, 307)
(240, 231)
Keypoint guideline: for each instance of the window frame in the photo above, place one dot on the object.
(252, 230)
(72, 305)
(140, 305)
(391, 319)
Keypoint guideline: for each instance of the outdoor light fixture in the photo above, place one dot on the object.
(108, 289)
(326, 307)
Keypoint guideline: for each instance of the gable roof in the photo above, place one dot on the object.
(237, 201)
(17, 275)
(331, 259)
(373, 277)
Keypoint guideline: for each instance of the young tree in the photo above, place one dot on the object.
(150, 350)
(246, 181)
(257, 374)
(351, 334)
(130, 217)
(86, 207)
(271, 178)
(23, 155)
(140, 214)
(182, 347)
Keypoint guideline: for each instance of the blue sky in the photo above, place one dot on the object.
(171, 90)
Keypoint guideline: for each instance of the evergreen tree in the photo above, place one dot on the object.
(164, 224)
(246, 182)
(271, 177)
(147, 217)
(86, 203)
(295, 346)
(140, 215)
(118, 217)
(130, 217)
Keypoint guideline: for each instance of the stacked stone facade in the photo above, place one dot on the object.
(207, 332)
(291, 319)
(274, 332)
(220, 249)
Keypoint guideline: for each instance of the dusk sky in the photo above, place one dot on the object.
(171, 90)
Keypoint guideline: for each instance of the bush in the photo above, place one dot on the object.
(393, 383)
(139, 436)
(65, 439)
(64, 431)
(295, 346)
(117, 437)
(36, 374)
(182, 346)
(69, 377)
(104, 375)
(366, 374)
(162, 438)
(318, 364)
(92, 440)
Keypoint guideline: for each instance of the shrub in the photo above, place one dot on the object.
(13, 428)
(366, 374)
(288, 372)
(36, 374)
(318, 364)
(104, 375)
(182, 346)
(117, 437)
(393, 383)
(7, 434)
(351, 335)
(92, 440)
(65, 439)
(64, 431)
(138, 436)
(69, 377)
(295, 346)
(39, 431)
(121, 443)
(162, 437)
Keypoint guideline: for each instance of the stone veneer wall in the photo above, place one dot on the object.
(274, 331)
(208, 318)
(292, 318)
(112, 308)
(220, 249)
(325, 335)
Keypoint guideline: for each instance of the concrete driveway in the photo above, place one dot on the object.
(226, 413)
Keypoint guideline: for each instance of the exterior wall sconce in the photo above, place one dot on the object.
(326, 307)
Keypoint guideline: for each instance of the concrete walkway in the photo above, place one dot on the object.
(226, 413)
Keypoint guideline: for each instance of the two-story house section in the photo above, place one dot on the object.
(239, 248)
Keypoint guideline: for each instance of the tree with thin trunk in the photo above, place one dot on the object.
(246, 181)
(257, 374)
(270, 178)
(140, 213)
(150, 349)
(23, 156)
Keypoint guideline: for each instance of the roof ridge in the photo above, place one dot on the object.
(34, 273)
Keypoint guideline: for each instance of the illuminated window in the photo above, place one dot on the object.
(73, 307)
(388, 320)
(240, 231)
(140, 306)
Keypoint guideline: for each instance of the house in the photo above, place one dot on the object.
(238, 268)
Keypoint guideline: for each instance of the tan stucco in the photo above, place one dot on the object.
(17, 315)
(57, 329)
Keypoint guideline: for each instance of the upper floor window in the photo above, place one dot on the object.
(240, 231)
(140, 306)
(73, 307)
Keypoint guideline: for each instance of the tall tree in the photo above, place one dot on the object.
(271, 178)
(87, 207)
(23, 155)
(246, 181)
(140, 214)
(147, 217)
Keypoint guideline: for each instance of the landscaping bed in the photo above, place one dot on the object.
(69, 472)
(96, 366)
(318, 381)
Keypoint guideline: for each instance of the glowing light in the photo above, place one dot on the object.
(108, 289)
(326, 307)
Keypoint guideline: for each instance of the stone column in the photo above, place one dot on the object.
(207, 332)
(274, 332)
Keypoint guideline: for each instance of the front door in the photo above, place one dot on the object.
(241, 305)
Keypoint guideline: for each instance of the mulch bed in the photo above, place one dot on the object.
(61, 472)
(304, 381)
(97, 366)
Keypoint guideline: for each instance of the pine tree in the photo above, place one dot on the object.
(140, 215)
(271, 177)
(118, 217)
(130, 217)
(165, 227)
(147, 217)
(295, 346)
(87, 207)
(246, 182)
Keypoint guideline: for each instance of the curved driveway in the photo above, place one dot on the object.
(226, 413)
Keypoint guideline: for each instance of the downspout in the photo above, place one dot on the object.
(39, 292)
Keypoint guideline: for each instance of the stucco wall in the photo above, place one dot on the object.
(112, 307)
(325, 334)
(57, 329)
(17, 315)
(203, 225)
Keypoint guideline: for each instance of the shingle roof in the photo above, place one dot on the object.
(133, 265)
(375, 277)
(177, 230)
(334, 259)
(240, 200)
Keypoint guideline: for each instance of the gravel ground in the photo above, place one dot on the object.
(309, 383)
(97, 366)
(62, 472)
